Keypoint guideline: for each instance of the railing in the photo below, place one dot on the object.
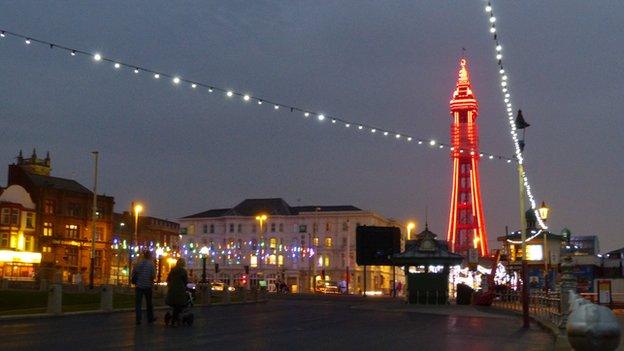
(545, 306)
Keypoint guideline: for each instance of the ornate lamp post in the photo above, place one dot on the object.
(159, 254)
(543, 213)
(204, 252)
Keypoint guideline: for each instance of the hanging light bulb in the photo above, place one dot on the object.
(432, 142)
(2, 34)
(493, 30)
(27, 41)
(193, 85)
(307, 114)
(373, 130)
(157, 76)
(117, 65)
(246, 97)
(321, 117)
(73, 53)
(259, 102)
(276, 107)
(176, 80)
(97, 57)
(136, 70)
(347, 125)
(229, 93)
(492, 19)
(488, 8)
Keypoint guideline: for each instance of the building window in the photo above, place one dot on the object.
(272, 227)
(71, 231)
(239, 228)
(212, 229)
(15, 217)
(315, 241)
(74, 209)
(328, 241)
(303, 228)
(4, 240)
(253, 261)
(46, 249)
(47, 229)
(48, 207)
(99, 234)
(30, 220)
(29, 243)
(231, 227)
(253, 228)
(345, 226)
(72, 255)
(327, 227)
(6, 216)
(205, 228)
(98, 258)
(273, 243)
(281, 227)
(280, 260)
(314, 228)
(272, 259)
(326, 261)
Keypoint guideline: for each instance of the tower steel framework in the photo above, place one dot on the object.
(466, 227)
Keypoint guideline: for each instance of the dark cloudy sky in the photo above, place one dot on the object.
(389, 63)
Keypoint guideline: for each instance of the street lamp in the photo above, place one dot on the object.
(204, 252)
(159, 254)
(410, 227)
(138, 208)
(261, 218)
(543, 213)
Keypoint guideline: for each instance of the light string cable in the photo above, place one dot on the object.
(509, 108)
(247, 98)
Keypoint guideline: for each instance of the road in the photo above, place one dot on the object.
(280, 324)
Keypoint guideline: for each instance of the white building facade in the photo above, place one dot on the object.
(271, 241)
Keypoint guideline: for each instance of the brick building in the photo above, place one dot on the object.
(64, 221)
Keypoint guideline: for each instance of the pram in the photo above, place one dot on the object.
(186, 316)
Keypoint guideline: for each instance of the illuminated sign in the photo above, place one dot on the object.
(534, 253)
(20, 256)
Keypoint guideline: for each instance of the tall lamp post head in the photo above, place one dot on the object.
(138, 208)
(261, 218)
(410, 227)
(204, 251)
(543, 211)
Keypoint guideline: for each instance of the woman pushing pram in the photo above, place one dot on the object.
(178, 298)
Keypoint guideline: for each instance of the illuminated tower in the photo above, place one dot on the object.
(466, 220)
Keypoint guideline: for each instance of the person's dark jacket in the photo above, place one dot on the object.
(176, 287)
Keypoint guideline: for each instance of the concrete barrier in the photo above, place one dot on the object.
(55, 299)
(591, 326)
(106, 298)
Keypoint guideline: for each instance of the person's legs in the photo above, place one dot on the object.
(138, 292)
(150, 307)
(177, 309)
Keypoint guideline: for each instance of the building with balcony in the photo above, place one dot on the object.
(302, 246)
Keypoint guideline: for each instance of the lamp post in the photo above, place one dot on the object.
(261, 218)
(159, 254)
(137, 209)
(204, 252)
(523, 231)
(543, 213)
(410, 227)
(93, 218)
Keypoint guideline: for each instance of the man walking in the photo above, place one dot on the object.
(143, 279)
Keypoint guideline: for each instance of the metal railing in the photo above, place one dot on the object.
(545, 306)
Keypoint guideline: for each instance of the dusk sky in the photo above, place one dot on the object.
(388, 63)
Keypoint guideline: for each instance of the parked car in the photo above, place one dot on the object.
(220, 286)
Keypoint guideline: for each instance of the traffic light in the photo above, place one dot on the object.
(216, 268)
(243, 280)
(246, 269)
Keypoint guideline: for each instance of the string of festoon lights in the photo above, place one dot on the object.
(509, 108)
(248, 98)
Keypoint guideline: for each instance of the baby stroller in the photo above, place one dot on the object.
(185, 316)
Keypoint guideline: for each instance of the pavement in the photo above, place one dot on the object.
(287, 324)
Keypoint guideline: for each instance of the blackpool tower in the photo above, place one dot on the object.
(466, 227)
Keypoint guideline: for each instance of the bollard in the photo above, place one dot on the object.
(43, 285)
(226, 296)
(591, 326)
(55, 299)
(106, 298)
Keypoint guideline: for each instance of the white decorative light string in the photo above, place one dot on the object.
(508, 103)
(248, 98)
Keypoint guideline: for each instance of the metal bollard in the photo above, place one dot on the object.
(591, 326)
(55, 299)
(227, 298)
(106, 298)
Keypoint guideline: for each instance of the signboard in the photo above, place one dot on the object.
(604, 292)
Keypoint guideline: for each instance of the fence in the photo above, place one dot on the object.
(545, 306)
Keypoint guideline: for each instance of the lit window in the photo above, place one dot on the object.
(315, 241)
(71, 231)
(15, 217)
(280, 260)
(326, 261)
(253, 261)
(272, 259)
(328, 241)
(46, 249)
(273, 243)
(30, 220)
(534, 253)
(48, 207)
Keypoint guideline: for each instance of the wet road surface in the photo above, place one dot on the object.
(280, 324)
